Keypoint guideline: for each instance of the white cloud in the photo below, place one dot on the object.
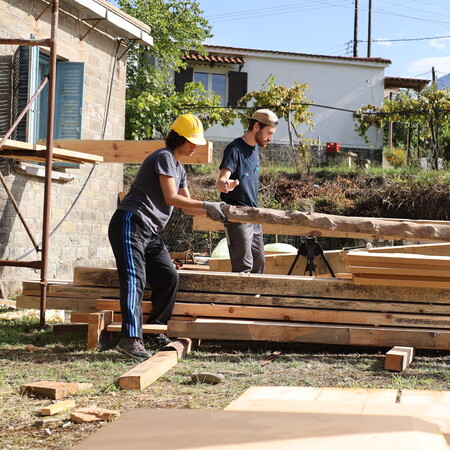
(440, 44)
(384, 44)
(440, 63)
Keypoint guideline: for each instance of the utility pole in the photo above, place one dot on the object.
(369, 31)
(355, 31)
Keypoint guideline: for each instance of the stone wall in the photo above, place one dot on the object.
(82, 204)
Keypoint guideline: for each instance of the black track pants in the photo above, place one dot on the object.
(141, 257)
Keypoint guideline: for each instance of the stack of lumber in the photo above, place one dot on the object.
(280, 308)
(399, 269)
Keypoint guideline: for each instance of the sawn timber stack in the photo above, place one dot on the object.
(230, 306)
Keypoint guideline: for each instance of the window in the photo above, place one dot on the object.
(31, 68)
(215, 82)
(231, 85)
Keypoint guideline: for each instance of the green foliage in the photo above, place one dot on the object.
(290, 104)
(428, 108)
(153, 111)
(396, 157)
(152, 103)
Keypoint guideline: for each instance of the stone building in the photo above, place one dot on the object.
(92, 39)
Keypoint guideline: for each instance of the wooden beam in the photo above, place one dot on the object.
(54, 389)
(117, 151)
(303, 224)
(26, 151)
(274, 285)
(57, 408)
(398, 358)
(332, 334)
(147, 328)
(149, 371)
(68, 304)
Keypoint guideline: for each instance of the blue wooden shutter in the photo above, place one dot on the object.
(69, 100)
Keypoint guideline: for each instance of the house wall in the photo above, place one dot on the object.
(332, 82)
(81, 206)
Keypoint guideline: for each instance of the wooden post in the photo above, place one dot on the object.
(98, 336)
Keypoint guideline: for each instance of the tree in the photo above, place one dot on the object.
(152, 103)
(291, 105)
(429, 109)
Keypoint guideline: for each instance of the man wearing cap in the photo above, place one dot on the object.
(141, 256)
(238, 185)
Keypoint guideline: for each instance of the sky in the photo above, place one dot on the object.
(413, 34)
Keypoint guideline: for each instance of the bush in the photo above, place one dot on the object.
(396, 157)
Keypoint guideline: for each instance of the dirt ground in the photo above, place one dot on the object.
(243, 364)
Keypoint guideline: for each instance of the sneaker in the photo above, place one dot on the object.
(133, 347)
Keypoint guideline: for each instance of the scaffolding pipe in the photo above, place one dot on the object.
(48, 161)
(25, 110)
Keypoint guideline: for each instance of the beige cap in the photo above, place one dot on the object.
(265, 116)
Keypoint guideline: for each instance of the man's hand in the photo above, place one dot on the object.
(214, 210)
(227, 186)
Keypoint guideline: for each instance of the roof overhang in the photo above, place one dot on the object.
(122, 24)
(405, 83)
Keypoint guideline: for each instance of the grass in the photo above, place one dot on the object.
(65, 358)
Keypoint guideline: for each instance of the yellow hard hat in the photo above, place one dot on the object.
(190, 127)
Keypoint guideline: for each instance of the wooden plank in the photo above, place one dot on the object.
(360, 259)
(318, 303)
(275, 285)
(398, 358)
(149, 371)
(369, 279)
(311, 315)
(252, 330)
(68, 304)
(147, 328)
(56, 408)
(11, 147)
(405, 271)
(256, 430)
(68, 289)
(117, 151)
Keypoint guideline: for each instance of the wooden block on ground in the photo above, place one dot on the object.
(57, 408)
(93, 414)
(398, 358)
(54, 389)
(226, 430)
(149, 371)
(98, 335)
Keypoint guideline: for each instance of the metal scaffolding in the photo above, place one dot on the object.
(50, 79)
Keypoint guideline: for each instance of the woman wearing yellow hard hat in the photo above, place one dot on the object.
(141, 256)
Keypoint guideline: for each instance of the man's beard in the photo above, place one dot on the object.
(260, 141)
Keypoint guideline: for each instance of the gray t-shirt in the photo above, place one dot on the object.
(145, 198)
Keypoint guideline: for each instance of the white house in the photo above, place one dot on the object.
(338, 86)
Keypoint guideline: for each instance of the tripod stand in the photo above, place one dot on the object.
(310, 248)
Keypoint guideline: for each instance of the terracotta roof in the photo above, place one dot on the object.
(221, 59)
(407, 83)
(252, 50)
